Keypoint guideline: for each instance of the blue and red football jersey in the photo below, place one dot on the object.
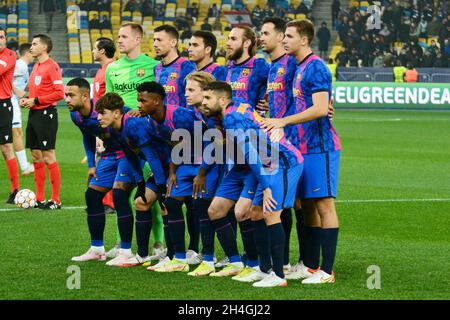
(90, 128)
(248, 80)
(172, 77)
(319, 135)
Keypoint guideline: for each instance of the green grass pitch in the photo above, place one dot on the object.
(393, 206)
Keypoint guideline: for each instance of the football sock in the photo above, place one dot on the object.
(177, 226)
(143, 227)
(206, 229)
(39, 180)
(193, 225)
(169, 244)
(157, 225)
(248, 241)
(276, 233)
(232, 219)
(22, 158)
(262, 241)
(227, 238)
(312, 247)
(13, 170)
(124, 217)
(95, 216)
(286, 220)
(300, 233)
(55, 180)
(328, 239)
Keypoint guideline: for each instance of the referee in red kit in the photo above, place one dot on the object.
(7, 65)
(46, 88)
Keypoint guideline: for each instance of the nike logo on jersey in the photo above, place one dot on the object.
(251, 192)
(123, 174)
(315, 190)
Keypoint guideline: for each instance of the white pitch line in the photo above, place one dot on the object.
(337, 201)
(393, 200)
(63, 208)
(389, 119)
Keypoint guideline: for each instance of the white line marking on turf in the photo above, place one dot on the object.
(337, 201)
(63, 208)
(389, 119)
(393, 200)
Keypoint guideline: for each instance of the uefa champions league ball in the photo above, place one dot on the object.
(25, 199)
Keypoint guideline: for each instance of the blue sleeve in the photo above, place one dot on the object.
(319, 77)
(137, 129)
(135, 162)
(90, 144)
(186, 68)
(204, 165)
(263, 69)
(152, 156)
(184, 118)
(247, 148)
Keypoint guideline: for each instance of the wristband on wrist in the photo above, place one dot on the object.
(36, 100)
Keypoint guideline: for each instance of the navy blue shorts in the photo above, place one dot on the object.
(185, 179)
(320, 175)
(237, 184)
(283, 184)
(110, 170)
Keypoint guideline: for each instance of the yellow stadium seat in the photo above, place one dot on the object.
(355, 3)
(300, 16)
(221, 61)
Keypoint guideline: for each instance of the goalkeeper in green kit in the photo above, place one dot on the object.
(123, 77)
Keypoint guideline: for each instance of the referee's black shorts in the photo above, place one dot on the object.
(42, 127)
(6, 118)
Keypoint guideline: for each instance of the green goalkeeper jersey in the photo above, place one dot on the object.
(124, 75)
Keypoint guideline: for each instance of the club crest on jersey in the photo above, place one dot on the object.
(97, 86)
(173, 76)
(299, 77)
(140, 72)
(245, 72)
(37, 80)
(280, 72)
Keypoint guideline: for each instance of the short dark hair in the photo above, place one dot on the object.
(220, 87)
(280, 24)
(108, 45)
(110, 101)
(45, 39)
(304, 28)
(208, 38)
(152, 87)
(169, 29)
(24, 48)
(80, 83)
(4, 30)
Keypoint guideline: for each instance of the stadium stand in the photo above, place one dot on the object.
(178, 13)
(416, 34)
(356, 48)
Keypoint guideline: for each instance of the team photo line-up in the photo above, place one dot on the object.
(183, 138)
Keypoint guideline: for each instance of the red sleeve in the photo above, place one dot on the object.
(7, 62)
(57, 89)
